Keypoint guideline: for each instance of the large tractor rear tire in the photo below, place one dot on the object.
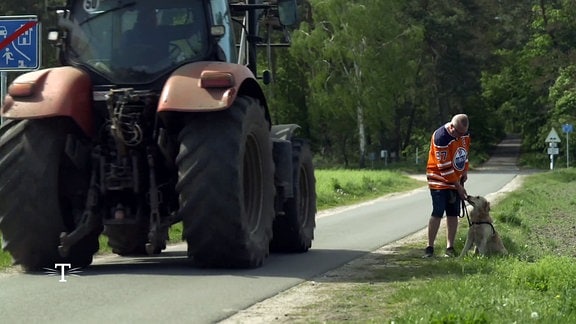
(226, 186)
(294, 230)
(42, 193)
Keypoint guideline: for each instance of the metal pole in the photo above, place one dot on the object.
(3, 81)
(567, 150)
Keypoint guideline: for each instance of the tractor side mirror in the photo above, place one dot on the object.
(217, 31)
(53, 35)
(287, 12)
(266, 77)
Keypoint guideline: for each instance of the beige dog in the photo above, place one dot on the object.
(481, 232)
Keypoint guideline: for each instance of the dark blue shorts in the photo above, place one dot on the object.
(445, 200)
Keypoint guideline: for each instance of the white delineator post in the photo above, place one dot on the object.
(567, 128)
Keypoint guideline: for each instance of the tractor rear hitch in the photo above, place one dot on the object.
(157, 235)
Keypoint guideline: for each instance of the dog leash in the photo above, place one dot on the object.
(465, 212)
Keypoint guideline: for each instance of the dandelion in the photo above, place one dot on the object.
(534, 315)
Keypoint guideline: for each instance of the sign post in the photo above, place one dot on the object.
(3, 81)
(552, 139)
(567, 129)
(384, 156)
(19, 47)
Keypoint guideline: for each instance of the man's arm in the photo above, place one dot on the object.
(464, 177)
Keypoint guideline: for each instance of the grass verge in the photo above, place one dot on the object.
(535, 283)
(344, 187)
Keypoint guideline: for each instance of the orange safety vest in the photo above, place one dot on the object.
(447, 160)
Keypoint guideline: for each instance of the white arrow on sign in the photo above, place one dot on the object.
(553, 137)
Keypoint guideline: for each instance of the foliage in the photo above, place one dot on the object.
(356, 72)
(531, 88)
(370, 75)
(5, 260)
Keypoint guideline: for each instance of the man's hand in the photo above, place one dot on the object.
(461, 191)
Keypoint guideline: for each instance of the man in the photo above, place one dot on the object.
(447, 171)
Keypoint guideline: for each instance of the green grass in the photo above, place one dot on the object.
(175, 236)
(490, 291)
(344, 187)
(5, 260)
(535, 283)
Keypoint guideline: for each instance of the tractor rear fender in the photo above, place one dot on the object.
(209, 86)
(284, 131)
(61, 91)
(282, 152)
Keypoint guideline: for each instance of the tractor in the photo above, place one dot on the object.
(155, 116)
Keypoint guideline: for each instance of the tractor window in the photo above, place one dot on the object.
(136, 41)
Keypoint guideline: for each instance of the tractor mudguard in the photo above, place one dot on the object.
(207, 86)
(283, 131)
(61, 91)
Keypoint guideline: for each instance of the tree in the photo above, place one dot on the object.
(356, 65)
(532, 86)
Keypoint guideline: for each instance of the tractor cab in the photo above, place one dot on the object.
(133, 42)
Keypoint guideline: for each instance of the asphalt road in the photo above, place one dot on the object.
(165, 289)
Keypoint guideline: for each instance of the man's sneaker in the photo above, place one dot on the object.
(429, 252)
(450, 252)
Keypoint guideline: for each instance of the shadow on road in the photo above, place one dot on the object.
(176, 263)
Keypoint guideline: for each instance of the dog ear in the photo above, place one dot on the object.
(485, 206)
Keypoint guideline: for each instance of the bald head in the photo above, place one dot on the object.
(458, 126)
(460, 122)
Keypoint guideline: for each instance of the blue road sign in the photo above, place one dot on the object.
(567, 128)
(19, 43)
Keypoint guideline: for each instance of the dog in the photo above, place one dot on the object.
(481, 232)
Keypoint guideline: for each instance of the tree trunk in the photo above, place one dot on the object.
(361, 134)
